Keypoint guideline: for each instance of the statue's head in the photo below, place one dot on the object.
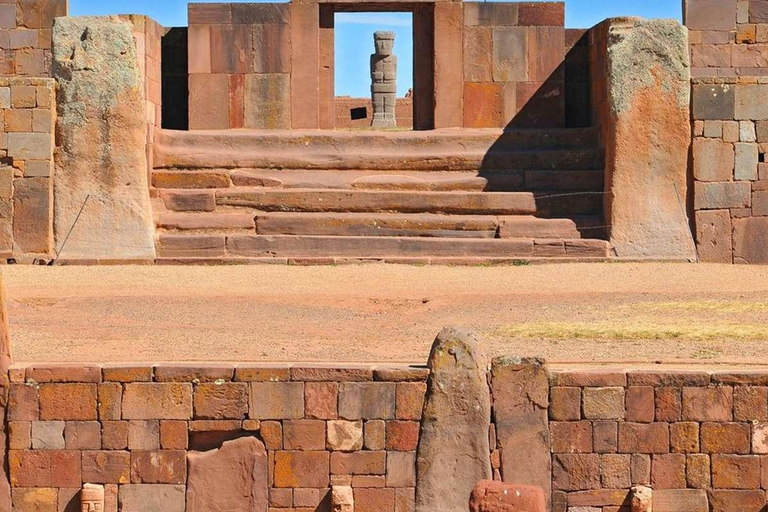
(384, 42)
(92, 498)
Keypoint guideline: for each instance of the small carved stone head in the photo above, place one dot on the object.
(384, 42)
(92, 498)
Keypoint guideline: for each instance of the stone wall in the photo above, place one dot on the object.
(349, 112)
(26, 168)
(25, 36)
(729, 56)
(135, 428)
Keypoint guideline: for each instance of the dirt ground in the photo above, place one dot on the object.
(589, 313)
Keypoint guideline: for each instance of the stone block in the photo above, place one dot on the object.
(70, 402)
(304, 435)
(489, 495)
(277, 400)
(267, 101)
(368, 401)
(713, 160)
(640, 403)
(218, 401)
(546, 53)
(374, 435)
(713, 236)
(401, 469)
(478, 53)
(208, 101)
(23, 402)
(231, 49)
(402, 436)
(448, 67)
(19, 435)
(684, 437)
(603, 403)
(173, 435)
(721, 195)
(305, 75)
(488, 14)
(669, 404)
(707, 403)
(743, 501)
(571, 436)
(668, 471)
(680, 500)
(750, 403)
(159, 467)
(605, 436)
(144, 497)
(751, 102)
(374, 500)
(710, 15)
(110, 401)
(615, 471)
(736, 471)
(83, 435)
(114, 435)
(32, 215)
(648, 438)
(44, 468)
(746, 162)
(35, 500)
(359, 463)
(698, 471)
(345, 436)
(565, 404)
(210, 14)
(144, 434)
(714, 102)
(272, 48)
(731, 438)
(106, 467)
(410, 400)
(510, 54)
(750, 240)
(48, 435)
(575, 472)
(302, 469)
(199, 49)
(152, 401)
(483, 105)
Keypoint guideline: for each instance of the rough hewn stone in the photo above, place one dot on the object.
(454, 447)
(143, 497)
(233, 478)
(101, 136)
(490, 496)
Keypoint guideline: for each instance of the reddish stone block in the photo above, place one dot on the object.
(47, 373)
(305, 55)
(736, 471)
(571, 437)
(144, 435)
(159, 467)
(668, 471)
(44, 468)
(615, 471)
(401, 469)
(410, 400)
(221, 401)
(404, 374)
(82, 435)
(565, 404)
(604, 403)
(307, 498)
(575, 472)
(208, 101)
(668, 378)
(640, 469)
(669, 404)
(590, 378)
(606, 436)
(304, 435)
(405, 499)
(280, 498)
(730, 500)
(23, 403)
(110, 401)
(276, 400)
(644, 438)
(546, 53)
(541, 14)
(369, 481)
(725, 438)
(106, 467)
(402, 436)
(302, 469)
(173, 435)
(272, 48)
(34, 500)
(321, 400)
(19, 435)
(750, 403)
(684, 437)
(331, 374)
(483, 105)
(489, 495)
(127, 373)
(114, 435)
(32, 201)
(157, 401)
(262, 373)
(272, 434)
(76, 402)
(375, 435)
(367, 401)
(708, 404)
(640, 404)
(697, 471)
(713, 160)
(478, 54)
(198, 373)
(750, 240)
(374, 500)
(359, 463)
(713, 236)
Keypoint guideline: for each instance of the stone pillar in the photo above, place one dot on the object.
(384, 80)
(449, 64)
(454, 449)
(646, 132)
(327, 66)
(423, 66)
(305, 67)
(101, 165)
(520, 390)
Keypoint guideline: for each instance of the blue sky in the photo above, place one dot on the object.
(354, 32)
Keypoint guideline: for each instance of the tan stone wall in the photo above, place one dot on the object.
(729, 56)
(26, 167)
(25, 35)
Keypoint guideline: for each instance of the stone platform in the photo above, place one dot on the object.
(484, 194)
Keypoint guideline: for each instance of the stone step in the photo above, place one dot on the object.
(284, 246)
(497, 181)
(301, 200)
(205, 221)
(438, 150)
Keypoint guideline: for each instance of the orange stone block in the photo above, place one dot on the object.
(482, 105)
(302, 469)
(71, 402)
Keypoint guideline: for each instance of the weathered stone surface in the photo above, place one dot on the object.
(268, 101)
(142, 497)
(713, 102)
(342, 499)
(490, 496)
(750, 240)
(647, 139)
(345, 436)
(232, 478)
(101, 134)
(642, 499)
(713, 236)
(32, 215)
(713, 160)
(454, 447)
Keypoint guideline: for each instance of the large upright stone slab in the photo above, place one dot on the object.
(647, 134)
(101, 140)
(233, 478)
(454, 450)
(520, 409)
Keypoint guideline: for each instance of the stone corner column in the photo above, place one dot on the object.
(454, 449)
(100, 159)
(520, 388)
(647, 135)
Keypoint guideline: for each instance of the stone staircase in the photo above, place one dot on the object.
(463, 196)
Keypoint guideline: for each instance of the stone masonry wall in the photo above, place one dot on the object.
(27, 117)
(698, 439)
(729, 58)
(345, 107)
(25, 36)
(133, 428)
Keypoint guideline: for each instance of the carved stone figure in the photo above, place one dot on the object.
(92, 498)
(384, 80)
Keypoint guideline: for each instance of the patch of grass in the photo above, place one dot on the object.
(637, 331)
(726, 306)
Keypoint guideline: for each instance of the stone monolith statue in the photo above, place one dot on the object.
(92, 498)
(384, 80)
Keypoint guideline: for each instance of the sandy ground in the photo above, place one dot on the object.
(609, 312)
